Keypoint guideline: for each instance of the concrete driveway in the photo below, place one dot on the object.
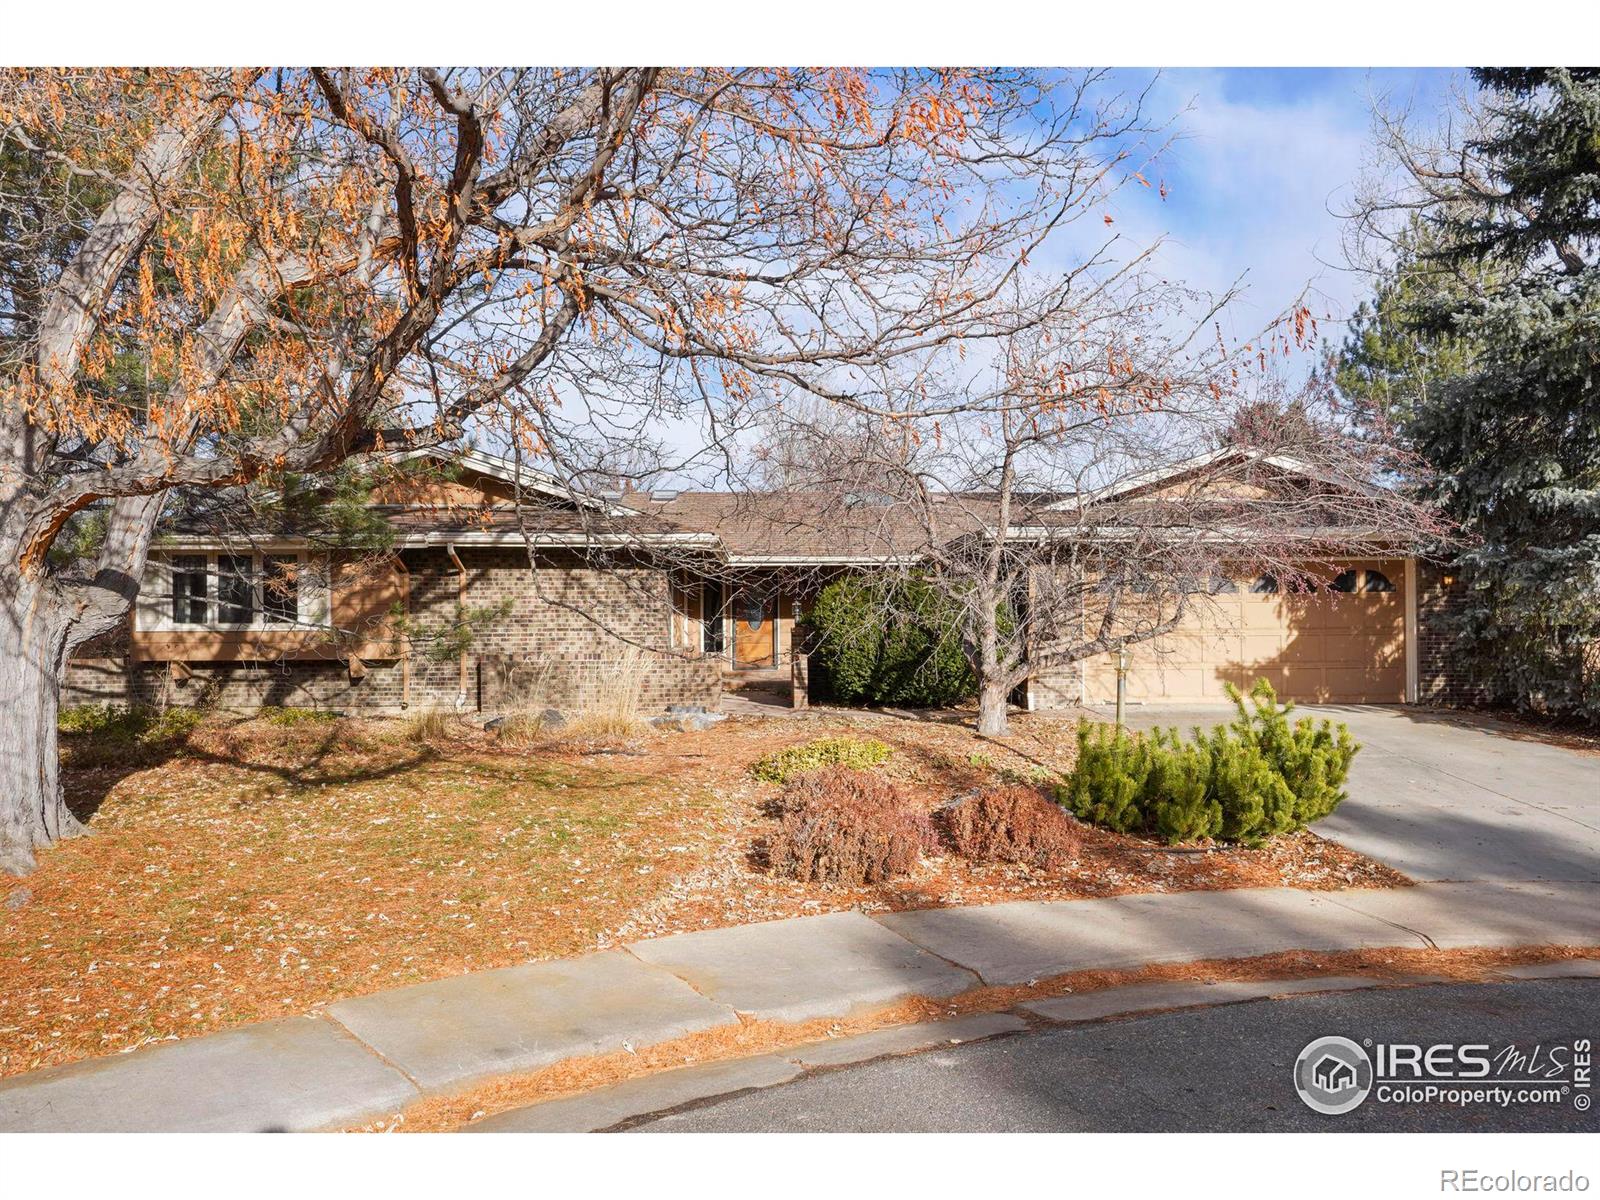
(1443, 795)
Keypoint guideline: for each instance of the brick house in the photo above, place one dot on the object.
(674, 594)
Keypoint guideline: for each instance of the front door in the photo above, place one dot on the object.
(754, 631)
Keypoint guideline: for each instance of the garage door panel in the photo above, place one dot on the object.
(1349, 648)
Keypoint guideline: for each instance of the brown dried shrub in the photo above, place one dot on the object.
(1012, 824)
(839, 826)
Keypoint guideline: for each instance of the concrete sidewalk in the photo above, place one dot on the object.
(373, 1055)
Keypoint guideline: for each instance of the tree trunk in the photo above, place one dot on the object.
(993, 697)
(33, 652)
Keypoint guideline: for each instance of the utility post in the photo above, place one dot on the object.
(1122, 682)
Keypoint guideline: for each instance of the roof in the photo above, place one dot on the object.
(810, 528)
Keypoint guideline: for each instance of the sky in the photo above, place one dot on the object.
(1263, 160)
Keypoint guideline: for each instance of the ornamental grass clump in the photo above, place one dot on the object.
(848, 828)
(1252, 779)
(1014, 823)
(855, 753)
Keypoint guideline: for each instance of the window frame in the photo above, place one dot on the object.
(217, 570)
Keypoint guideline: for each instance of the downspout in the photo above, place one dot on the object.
(461, 608)
(405, 640)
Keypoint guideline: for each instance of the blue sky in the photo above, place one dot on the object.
(1263, 159)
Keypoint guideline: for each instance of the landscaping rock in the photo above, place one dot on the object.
(19, 897)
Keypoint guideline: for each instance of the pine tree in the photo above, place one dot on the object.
(1487, 339)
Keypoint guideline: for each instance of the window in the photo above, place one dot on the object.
(1377, 581)
(1344, 581)
(1221, 585)
(236, 587)
(711, 617)
(280, 589)
(227, 590)
(1264, 584)
(189, 589)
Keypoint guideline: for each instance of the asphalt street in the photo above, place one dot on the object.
(1226, 1068)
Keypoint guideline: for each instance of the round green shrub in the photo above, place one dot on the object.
(890, 642)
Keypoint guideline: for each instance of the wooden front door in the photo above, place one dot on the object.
(755, 629)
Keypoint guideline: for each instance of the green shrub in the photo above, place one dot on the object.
(1249, 780)
(288, 715)
(1312, 758)
(854, 753)
(1177, 795)
(91, 718)
(114, 724)
(1106, 787)
(890, 642)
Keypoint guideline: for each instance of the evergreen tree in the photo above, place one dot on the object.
(1483, 346)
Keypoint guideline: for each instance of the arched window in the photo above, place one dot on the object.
(1266, 583)
(1221, 585)
(1377, 581)
(1344, 581)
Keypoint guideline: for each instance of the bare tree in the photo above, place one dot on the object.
(1027, 492)
(213, 279)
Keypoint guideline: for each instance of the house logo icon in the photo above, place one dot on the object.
(1333, 1075)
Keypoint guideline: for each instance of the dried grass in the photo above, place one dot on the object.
(430, 724)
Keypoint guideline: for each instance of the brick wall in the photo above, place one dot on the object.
(1443, 677)
(1056, 687)
(545, 621)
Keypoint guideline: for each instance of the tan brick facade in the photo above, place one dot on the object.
(574, 626)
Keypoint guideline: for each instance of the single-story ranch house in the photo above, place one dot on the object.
(244, 621)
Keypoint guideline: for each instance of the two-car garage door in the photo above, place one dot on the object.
(1346, 648)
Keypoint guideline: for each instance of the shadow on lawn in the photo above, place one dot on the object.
(91, 771)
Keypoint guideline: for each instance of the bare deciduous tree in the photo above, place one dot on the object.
(1027, 492)
(213, 279)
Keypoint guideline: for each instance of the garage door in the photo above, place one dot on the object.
(1347, 648)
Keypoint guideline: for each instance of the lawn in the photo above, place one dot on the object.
(249, 870)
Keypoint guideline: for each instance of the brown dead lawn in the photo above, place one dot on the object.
(263, 871)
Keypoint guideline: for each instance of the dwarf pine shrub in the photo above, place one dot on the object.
(1312, 758)
(1177, 800)
(1254, 778)
(1106, 788)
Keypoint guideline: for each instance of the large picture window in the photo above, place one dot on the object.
(232, 590)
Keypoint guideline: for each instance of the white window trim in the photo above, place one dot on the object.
(154, 610)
